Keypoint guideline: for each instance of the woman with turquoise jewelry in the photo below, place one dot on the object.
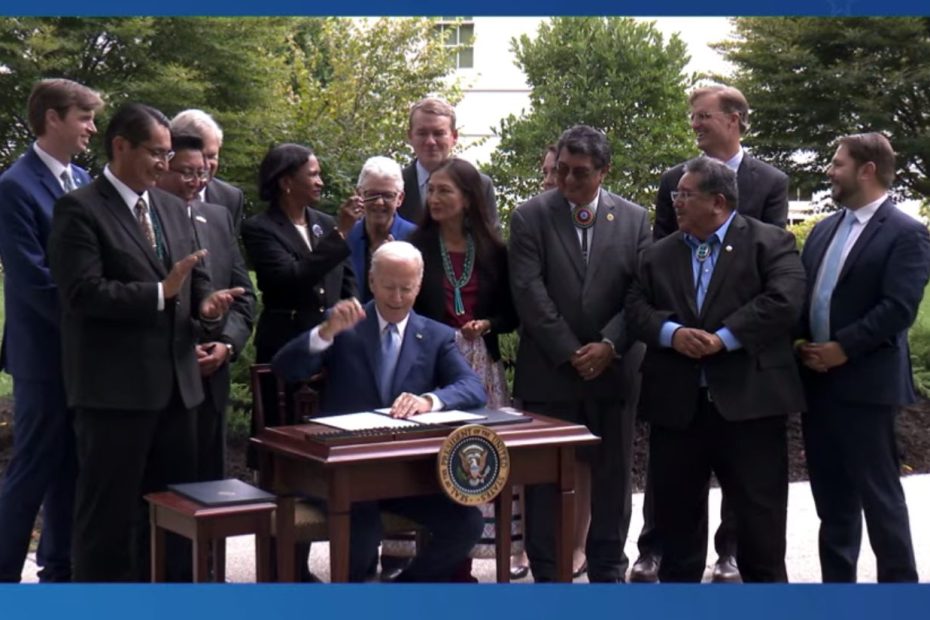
(466, 285)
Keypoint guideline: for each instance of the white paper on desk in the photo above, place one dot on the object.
(363, 421)
(440, 417)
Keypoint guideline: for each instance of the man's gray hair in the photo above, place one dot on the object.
(397, 252)
(196, 122)
(716, 178)
(380, 167)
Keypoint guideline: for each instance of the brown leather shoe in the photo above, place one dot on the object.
(726, 570)
(645, 569)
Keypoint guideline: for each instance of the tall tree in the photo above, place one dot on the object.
(811, 80)
(353, 84)
(613, 73)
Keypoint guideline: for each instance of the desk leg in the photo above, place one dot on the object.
(202, 544)
(263, 552)
(157, 540)
(339, 526)
(219, 560)
(284, 526)
(565, 515)
(503, 516)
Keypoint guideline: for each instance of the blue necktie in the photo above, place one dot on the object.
(390, 350)
(820, 302)
(67, 182)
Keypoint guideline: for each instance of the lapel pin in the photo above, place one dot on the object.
(419, 336)
(610, 217)
(200, 219)
(729, 248)
(317, 230)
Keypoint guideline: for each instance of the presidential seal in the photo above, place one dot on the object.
(473, 465)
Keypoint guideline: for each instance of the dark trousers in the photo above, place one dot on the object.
(211, 436)
(750, 459)
(40, 474)
(453, 529)
(122, 456)
(650, 540)
(611, 501)
(854, 468)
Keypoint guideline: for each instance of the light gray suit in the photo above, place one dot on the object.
(564, 303)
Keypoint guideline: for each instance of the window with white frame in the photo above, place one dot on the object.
(459, 32)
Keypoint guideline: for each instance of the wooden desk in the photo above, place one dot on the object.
(292, 462)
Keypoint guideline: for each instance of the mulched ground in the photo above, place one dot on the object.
(913, 440)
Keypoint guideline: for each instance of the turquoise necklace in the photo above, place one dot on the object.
(458, 283)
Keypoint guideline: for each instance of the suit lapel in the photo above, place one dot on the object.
(289, 233)
(684, 273)
(410, 350)
(818, 251)
(371, 341)
(120, 213)
(865, 236)
(604, 232)
(735, 239)
(45, 177)
(560, 215)
(745, 178)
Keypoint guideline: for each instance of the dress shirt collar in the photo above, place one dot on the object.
(55, 166)
(720, 233)
(864, 214)
(382, 323)
(129, 196)
(734, 162)
(422, 175)
(592, 204)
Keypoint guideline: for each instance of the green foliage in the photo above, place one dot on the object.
(613, 73)
(919, 340)
(353, 85)
(339, 85)
(813, 79)
(6, 381)
(802, 229)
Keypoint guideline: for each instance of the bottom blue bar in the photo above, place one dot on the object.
(465, 602)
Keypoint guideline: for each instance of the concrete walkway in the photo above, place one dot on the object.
(803, 565)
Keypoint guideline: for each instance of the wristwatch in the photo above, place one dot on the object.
(231, 349)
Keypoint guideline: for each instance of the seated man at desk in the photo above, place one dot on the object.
(386, 355)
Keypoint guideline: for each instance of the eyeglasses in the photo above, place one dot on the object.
(375, 196)
(685, 195)
(161, 154)
(579, 173)
(191, 175)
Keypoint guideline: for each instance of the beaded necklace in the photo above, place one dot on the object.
(458, 283)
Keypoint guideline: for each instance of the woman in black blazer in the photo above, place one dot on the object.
(299, 254)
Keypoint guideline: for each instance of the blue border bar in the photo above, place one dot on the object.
(473, 7)
(462, 602)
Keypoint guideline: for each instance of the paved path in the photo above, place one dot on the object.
(802, 560)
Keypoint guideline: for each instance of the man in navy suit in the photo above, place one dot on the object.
(867, 266)
(385, 355)
(42, 471)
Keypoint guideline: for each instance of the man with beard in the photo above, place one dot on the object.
(867, 266)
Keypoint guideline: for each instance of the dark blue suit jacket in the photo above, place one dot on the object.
(358, 245)
(31, 335)
(873, 305)
(429, 362)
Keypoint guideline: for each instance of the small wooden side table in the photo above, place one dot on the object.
(207, 527)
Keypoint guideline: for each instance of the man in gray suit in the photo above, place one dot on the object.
(432, 134)
(719, 118)
(216, 191)
(573, 255)
(213, 231)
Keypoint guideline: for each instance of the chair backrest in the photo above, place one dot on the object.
(305, 396)
(257, 373)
